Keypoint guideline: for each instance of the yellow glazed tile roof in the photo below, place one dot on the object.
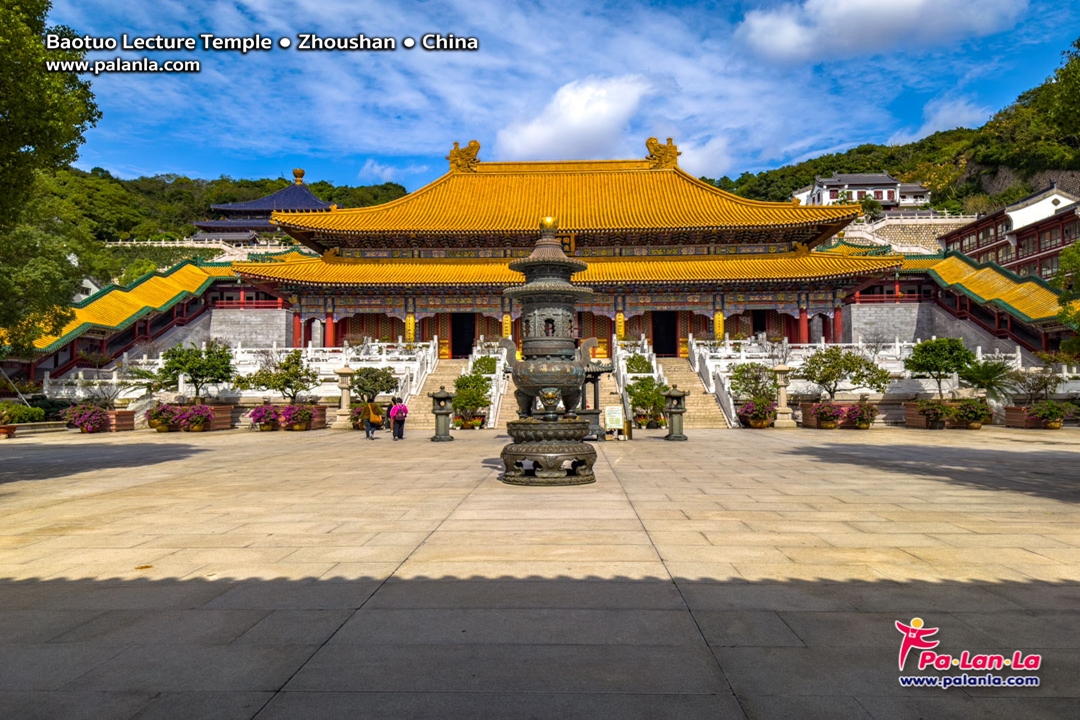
(613, 195)
(1031, 299)
(114, 307)
(370, 272)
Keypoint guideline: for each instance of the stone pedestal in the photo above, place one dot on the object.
(548, 453)
(343, 419)
(783, 412)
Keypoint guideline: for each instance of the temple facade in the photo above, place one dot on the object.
(668, 256)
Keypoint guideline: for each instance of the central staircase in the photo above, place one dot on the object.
(420, 416)
(702, 411)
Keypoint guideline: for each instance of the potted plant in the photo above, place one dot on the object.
(195, 418)
(287, 374)
(297, 417)
(87, 417)
(356, 416)
(935, 412)
(827, 414)
(1034, 383)
(993, 377)
(638, 364)
(266, 417)
(1051, 413)
(200, 365)
(758, 413)
(162, 417)
(647, 399)
(970, 413)
(471, 393)
(861, 414)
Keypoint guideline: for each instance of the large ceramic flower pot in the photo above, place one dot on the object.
(195, 428)
(301, 426)
(862, 426)
(7, 431)
(759, 424)
(266, 427)
(1052, 424)
(152, 423)
(827, 424)
(974, 426)
(162, 427)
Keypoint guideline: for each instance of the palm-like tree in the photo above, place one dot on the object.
(991, 376)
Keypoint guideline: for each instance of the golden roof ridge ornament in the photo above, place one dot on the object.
(463, 159)
(298, 173)
(662, 156)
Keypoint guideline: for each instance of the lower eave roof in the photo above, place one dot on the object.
(336, 272)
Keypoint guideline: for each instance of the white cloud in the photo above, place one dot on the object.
(585, 119)
(944, 114)
(373, 170)
(829, 29)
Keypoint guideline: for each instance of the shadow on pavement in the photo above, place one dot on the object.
(1051, 474)
(45, 462)
(501, 648)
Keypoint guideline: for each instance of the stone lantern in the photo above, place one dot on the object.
(343, 420)
(675, 409)
(783, 412)
(442, 407)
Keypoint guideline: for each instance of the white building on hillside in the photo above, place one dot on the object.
(893, 194)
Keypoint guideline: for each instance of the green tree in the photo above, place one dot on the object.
(753, 380)
(136, 270)
(201, 366)
(990, 376)
(43, 114)
(471, 393)
(368, 383)
(939, 359)
(647, 397)
(871, 208)
(288, 375)
(834, 365)
(1068, 280)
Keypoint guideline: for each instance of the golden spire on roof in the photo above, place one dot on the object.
(298, 173)
(662, 156)
(463, 159)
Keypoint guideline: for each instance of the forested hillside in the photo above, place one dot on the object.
(1035, 138)
(167, 205)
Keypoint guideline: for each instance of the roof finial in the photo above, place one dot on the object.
(298, 173)
(463, 159)
(662, 156)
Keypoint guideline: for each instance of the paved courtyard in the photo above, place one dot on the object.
(741, 574)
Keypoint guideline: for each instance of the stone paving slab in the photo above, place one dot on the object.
(741, 574)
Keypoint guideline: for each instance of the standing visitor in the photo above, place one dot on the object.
(372, 416)
(397, 416)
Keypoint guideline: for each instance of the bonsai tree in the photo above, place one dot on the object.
(288, 375)
(471, 394)
(993, 377)
(833, 365)
(939, 359)
(368, 383)
(646, 397)
(201, 366)
(753, 380)
(1035, 382)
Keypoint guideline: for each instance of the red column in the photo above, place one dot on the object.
(297, 331)
(838, 324)
(307, 332)
(243, 297)
(342, 329)
(896, 290)
(826, 329)
(804, 326)
(1045, 342)
(328, 333)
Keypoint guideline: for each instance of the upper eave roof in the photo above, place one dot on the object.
(585, 196)
(294, 197)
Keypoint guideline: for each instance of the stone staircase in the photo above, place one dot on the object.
(420, 415)
(701, 408)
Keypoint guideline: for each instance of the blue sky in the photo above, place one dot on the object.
(739, 85)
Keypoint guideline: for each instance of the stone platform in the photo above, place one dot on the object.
(740, 574)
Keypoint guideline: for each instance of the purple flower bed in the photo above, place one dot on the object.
(265, 415)
(195, 416)
(86, 417)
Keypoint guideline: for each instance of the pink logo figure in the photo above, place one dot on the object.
(915, 636)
